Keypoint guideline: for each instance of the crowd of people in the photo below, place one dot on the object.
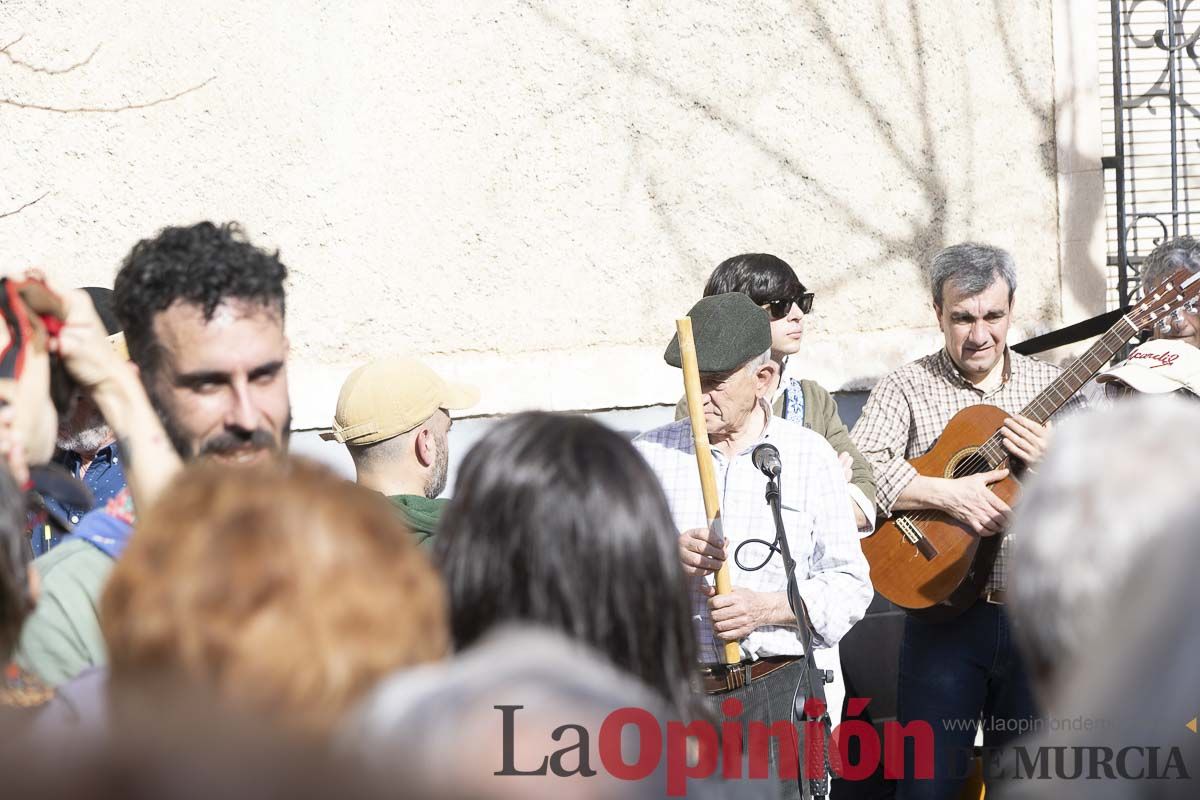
(199, 597)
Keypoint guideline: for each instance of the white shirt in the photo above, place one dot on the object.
(831, 571)
(789, 383)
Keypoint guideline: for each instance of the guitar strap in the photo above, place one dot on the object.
(1071, 334)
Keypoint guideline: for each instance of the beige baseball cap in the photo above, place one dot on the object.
(392, 396)
(1158, 366)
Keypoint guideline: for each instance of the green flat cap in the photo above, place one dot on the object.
(729, 330)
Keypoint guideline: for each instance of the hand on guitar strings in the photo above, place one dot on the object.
(970, 500)
(735, 616)
(701, 551)
(1025, 439)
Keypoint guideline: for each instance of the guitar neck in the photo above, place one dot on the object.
(1068, 382)
(1072, 379)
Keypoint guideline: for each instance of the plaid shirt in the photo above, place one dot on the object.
(831, 572)
(908, 410)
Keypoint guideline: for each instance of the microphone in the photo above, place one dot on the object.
(766, 458)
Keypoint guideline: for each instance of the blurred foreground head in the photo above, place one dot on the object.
(180, 746)
(16, 597)
(280, 587)
(557, 521)
(203, 312)
(1114, 485)
(1119, 631)
(439, 730)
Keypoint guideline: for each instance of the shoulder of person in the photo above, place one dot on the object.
(912, 371)
(815, 391)
(71, 555)
(905, 379)
(822, 402)
(72, 562)
(1034, 364)
(797, 440)
(664, 435)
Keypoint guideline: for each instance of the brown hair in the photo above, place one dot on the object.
(281, 587)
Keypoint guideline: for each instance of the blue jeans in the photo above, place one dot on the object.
(951, 674)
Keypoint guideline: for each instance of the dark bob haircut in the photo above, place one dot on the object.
(762, 276)
(204, 265)
(557, 520)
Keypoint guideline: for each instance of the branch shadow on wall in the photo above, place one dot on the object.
(922, 164)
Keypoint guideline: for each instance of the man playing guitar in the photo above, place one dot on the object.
(953, 672)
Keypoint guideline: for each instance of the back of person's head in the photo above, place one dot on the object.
(762, 276)
(16, 601)
(445, 728)
(1132, 694)
(179, 745)
(557, 521)
(1170, 256)
(1114, 484)
(204, 265)
(281, 587)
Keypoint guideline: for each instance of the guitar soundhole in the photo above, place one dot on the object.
(962, 465)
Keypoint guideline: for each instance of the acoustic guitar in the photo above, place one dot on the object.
(934, 565)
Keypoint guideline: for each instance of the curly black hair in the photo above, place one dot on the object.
(203, 265)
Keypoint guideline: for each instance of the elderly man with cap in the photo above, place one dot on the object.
(86, 447)
(392, 415)
(733, 349)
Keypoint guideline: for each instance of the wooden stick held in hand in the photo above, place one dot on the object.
(731, 653)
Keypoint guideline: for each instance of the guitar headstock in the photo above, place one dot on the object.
(1178, 293)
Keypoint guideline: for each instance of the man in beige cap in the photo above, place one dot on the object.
(1159, 366)
(392, 415)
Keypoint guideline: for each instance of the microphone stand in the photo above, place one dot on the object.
(812, 680)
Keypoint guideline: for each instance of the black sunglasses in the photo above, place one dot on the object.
(778, 309)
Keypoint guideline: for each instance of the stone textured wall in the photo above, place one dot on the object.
(528, 193)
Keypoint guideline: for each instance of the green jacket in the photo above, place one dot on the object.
(421, 514)
(62, 637)
(821, 416)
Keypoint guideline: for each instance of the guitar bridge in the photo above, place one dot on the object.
(918, 539)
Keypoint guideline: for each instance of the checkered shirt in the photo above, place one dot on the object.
(909, 408)
(831, 572)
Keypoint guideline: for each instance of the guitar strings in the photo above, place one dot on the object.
(976, 462)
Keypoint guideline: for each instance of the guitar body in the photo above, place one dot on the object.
(941, 576)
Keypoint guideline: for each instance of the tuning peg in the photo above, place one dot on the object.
(1193, 307)
(1164, 324)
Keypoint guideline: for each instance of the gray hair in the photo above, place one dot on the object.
(1168, 258)
(441, 725)
(758, 361)
(1114, 483)
(972, 267)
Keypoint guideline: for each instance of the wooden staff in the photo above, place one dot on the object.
(732, 654)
